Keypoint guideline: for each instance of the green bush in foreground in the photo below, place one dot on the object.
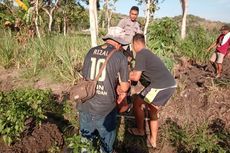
(197, 139)
(18, 106)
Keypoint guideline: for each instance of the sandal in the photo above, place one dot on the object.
(149, 144)
(135, 131)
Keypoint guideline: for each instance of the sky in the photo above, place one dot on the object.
(215, 10)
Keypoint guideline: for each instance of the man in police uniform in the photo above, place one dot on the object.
(130, 25)
(98, 115)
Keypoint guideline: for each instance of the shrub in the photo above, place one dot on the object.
(195, 138)
(196, 43)
(163, 34)
(19, 105)
(162, 39)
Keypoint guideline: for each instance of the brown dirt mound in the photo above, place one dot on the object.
(41, 140)
(199, 98)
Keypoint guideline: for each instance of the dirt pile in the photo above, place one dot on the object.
(41, 139)
(200, 97)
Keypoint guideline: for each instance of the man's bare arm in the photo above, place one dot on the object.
(214, 44)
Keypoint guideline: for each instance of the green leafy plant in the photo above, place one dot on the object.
(76, 143)
(163, 34)
(163, 39)
(19, 105)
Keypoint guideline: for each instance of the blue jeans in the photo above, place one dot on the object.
(104, 125)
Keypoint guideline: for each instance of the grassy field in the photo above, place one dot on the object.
(57, 55)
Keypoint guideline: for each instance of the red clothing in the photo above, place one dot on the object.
(224, 47)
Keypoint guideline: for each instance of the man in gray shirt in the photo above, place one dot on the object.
(161, 87)
(99, 113)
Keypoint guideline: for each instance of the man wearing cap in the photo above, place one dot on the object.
(221, 44)
(98, 115)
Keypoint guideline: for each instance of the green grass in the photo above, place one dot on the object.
(196, 43)
(58, 56)
(202, 138)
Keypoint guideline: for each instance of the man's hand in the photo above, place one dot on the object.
(119, 90)
(121, 94)
(121, 97)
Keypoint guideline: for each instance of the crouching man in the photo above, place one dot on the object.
(157, 93)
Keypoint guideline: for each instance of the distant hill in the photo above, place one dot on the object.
(192, 21)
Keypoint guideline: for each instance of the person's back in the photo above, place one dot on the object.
(154, 70)
(99, 113)
(157, 93)
(104, 100)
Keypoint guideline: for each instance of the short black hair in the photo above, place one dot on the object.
(139, 37)
(225, 27)
(135, 8)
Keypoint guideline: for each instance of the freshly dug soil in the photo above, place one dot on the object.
(200, 97)
(40, 140)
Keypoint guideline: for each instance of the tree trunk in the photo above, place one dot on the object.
(184, 4)
(95, 16)
(36, 20)
(50, 22)
(64, 26)
(50, 14)
(147, 16)
(107, 13)
(93, 22)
